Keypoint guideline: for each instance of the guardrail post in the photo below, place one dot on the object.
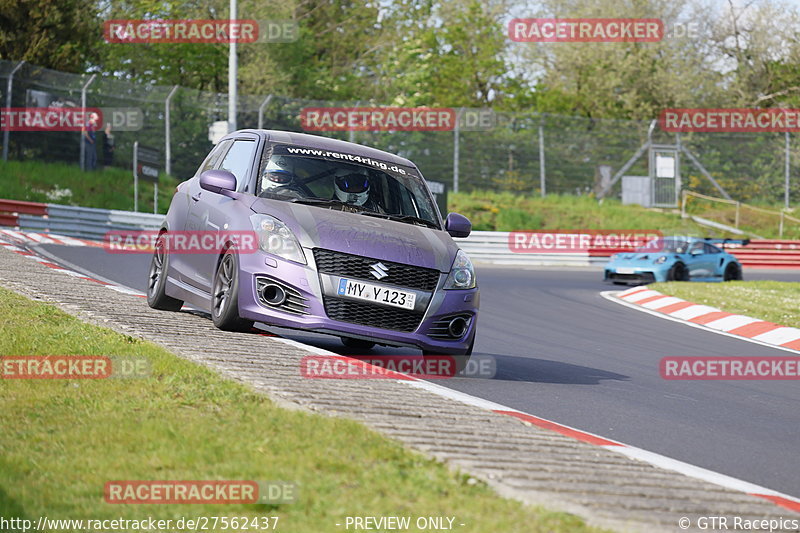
(83, 107)
(9, 86)
(264, 104)
(167, 149)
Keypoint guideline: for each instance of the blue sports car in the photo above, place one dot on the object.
(676, 259)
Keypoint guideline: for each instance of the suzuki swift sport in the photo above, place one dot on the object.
(347, 241)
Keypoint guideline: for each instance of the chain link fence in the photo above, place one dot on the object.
(520, 154)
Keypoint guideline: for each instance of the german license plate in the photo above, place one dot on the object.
(373, 293)
(626, 270)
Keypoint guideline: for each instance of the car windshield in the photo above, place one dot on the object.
(667, 245)
(346, 182)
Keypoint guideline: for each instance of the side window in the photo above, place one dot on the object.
(215, 154)
(711, 249)
(696, 246)
(238, 160)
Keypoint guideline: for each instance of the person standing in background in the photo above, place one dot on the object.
(89, 136)
(108, 146)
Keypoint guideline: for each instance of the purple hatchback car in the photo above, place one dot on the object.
(348, 241)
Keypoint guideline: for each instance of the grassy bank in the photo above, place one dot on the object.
(63, 439)
(506, 212)
(774, 301)
(59, 183)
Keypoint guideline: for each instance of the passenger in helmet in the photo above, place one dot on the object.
(354, 189)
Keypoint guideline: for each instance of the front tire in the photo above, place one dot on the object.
(157, 279)
(225, 295)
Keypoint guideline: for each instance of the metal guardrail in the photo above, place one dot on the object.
(492, 247)
(83, 222)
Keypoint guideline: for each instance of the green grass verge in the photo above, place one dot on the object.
(492, 211)
(60, 183)
(774, 301)
(63, 439)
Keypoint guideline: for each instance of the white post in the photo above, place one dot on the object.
(264, 104)
(83, 107)
(233, 67)
(8, 104)
(167, 143)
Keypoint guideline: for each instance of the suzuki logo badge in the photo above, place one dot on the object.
(379, 270)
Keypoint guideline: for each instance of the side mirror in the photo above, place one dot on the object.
(218, 181)
(696, 251)
(457, 225)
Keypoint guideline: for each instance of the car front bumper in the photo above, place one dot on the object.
(310, 302)
(638, 276)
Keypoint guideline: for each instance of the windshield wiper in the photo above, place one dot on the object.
(318, 201)
(401, 218)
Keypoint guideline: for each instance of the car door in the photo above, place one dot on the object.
(717, 259)
(700, 264)
(215, 212)
(180, 263)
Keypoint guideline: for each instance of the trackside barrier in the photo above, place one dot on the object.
(492, 247)
(84, 222)
(481, 246)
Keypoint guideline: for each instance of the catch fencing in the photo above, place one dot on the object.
(524, 153)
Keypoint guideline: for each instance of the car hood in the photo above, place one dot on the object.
(387, 240)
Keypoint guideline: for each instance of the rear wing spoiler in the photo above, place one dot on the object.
(735, 243)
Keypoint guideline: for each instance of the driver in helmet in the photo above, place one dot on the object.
(279, 178)
(354, 189)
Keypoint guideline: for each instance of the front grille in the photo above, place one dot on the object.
(356, 266)
(371, 315)
(295, 302)
(438, 329)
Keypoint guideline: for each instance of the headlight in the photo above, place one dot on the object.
(660, 260)
(275, 238)
(462, 275)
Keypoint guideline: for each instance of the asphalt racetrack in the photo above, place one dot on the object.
(565, 353)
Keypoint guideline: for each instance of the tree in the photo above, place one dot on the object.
(59, 35)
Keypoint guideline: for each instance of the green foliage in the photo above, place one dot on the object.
(60, 35)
